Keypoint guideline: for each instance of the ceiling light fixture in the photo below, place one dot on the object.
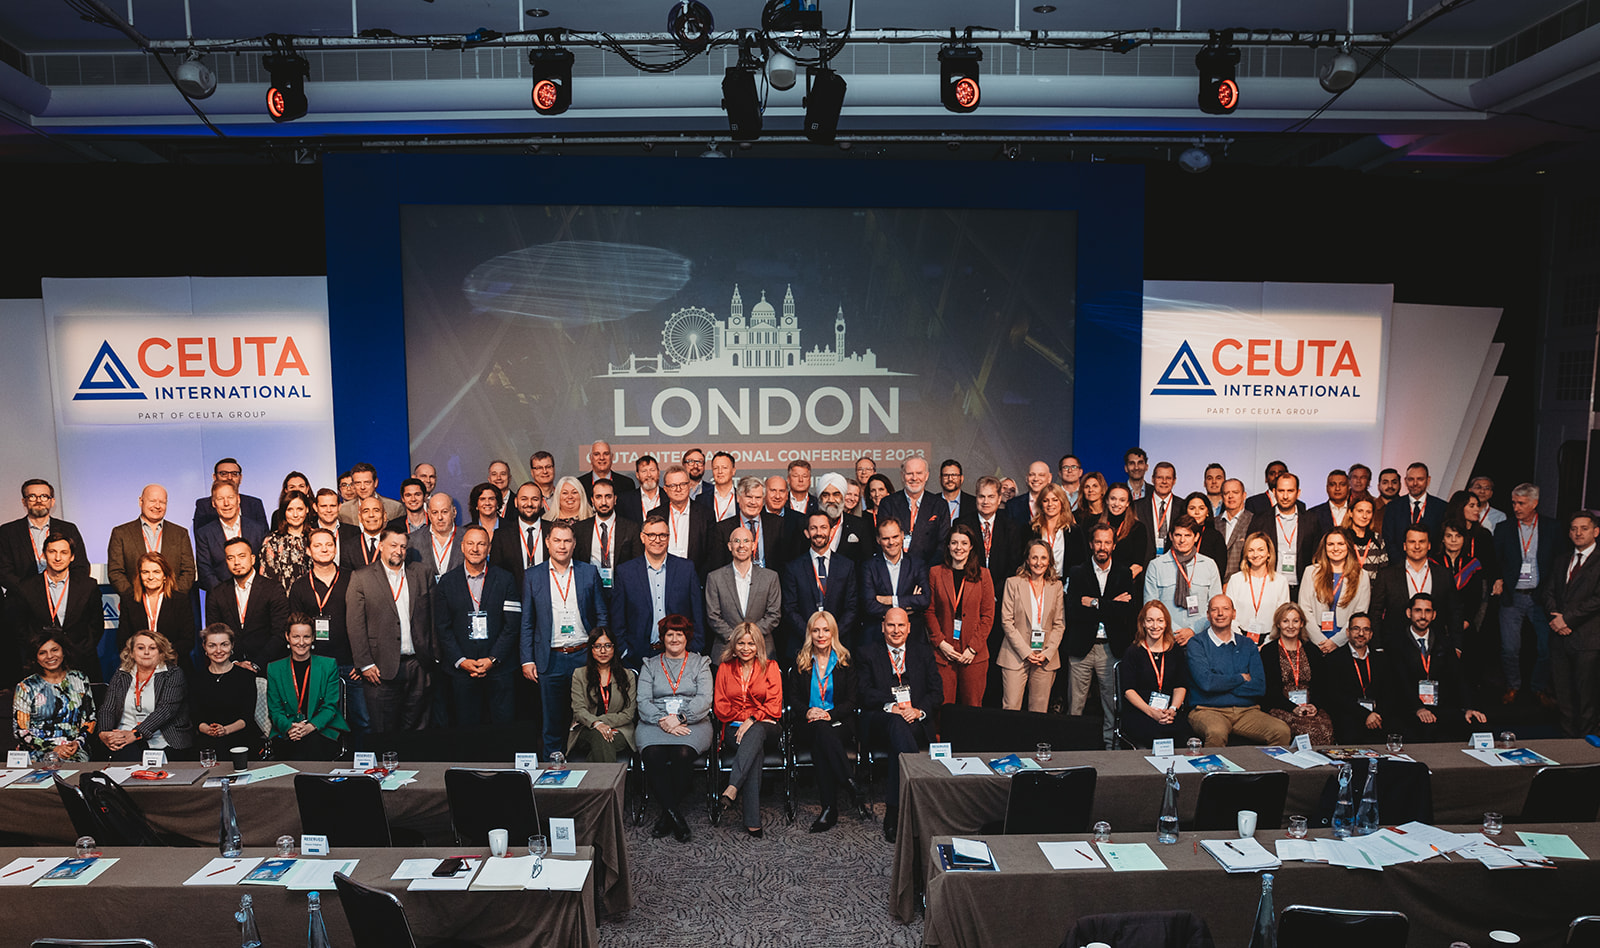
(552, 79)
(1339, 73)
(194, 77)
(824, 100)
(690, 23)
(286, 97)
(958, 77)
(1194, 159)
(1218, 62)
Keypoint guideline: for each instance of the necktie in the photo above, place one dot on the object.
(1422, 646)
(750, 524)
(605, 545)
(372, 548)
(899, 655)
(988, 539)
(822, 580)
(1416, 511)
(1577, 561)
(533, 543)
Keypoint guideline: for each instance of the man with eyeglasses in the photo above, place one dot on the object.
(688, 525)
(742, 592)
(951, 478)
(651, 587)
(1071, 477)
(228, 471)
(542, 471)
(22, 540)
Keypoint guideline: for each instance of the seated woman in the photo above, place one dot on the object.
(1293, 674)
(1257, 590)
(604, 702)
(824, 674)
(1155, 681)
(53, 709)
(146, 706)
(1332, 589)
(749, 703)
(222, 697)
(303, 699)
(1033, 614)
(960, 614)
(674, 722)
(158, 609)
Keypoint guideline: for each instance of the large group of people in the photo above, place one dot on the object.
(669, 615)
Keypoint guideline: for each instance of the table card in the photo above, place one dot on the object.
(1162, 748)
(526, 762)
(365, 760)
(939, 751)
(17, 759)
(1482, 740)
(563, 836)
(313, 845)
(154, 759)
(1302, 742)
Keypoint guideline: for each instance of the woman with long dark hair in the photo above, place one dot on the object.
(604, 701)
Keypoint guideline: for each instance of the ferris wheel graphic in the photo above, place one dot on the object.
(690, 335)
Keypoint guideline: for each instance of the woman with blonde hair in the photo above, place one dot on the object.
(155, 607)
(571, 503)
(1055, 525)
(748, 701)
(1033, 614)
(1294, 677)
(145, 706)
(824, 673)
(1257, 590)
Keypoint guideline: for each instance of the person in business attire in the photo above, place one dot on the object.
(1132, 537)
(892, 579)
(1102, 599)
(798, 478)
(794, 522)
(1399, 581)
(438, 548)
(689, 526)
(477, 622)
(600, 470)
(1293, 531)
(52, 710)
(1262, 503)
(227, 471)
(389, 616)
(1525, 546)
(1054, 525)
(1000, 538)
(1572, 598)
(414, 498)
(156, 605)
(1257, 590)
(222, 697)
(1197, 506)
(303, 699)
(484, 503)
(255, 608)
(747, 699)
(64, 600)
(499, 477)
(899, 690)
(523, 544)
(1227, 683)
(364, 482)
(651, 587)
(694, 462)
(562, 601)
(825, 673)
(1214, 477)
(1025, 507)
(1184, 579)
(1366, 543)
(150, 532)
(283, 552)
(1033, 619)
(1331, 513)
(1159, 509)
(878, 487)
(320, 594)
(1416, 506)
(605, 539)
(636, 504)
(1334, 588)
(604, 702)
(1091, 508)
(924, 519)
(721, 496)
(1465, 506)
(1234, 525)
(1388, 493)
(145, 707)
(740, 593)
(848, 534)
(347, 550)
(1482, 487)
(1135, 462)
(1469, 576)
(771, 548)
(1155, 681)
(959, 617)
(951, 480)
(1360, 696)
(1071, 470)
(675, 727)
(1296, 684)
(542, 472)
(212, 537)
(1436, 700)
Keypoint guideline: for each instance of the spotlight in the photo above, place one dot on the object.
(689, 22)
(195, 78)
(286, 99)
(741, 101)
(780, 71)
(1219, 91)
(824, 99)
(958, 77)
(552, 79)
(1339, 73)
(1194, 159)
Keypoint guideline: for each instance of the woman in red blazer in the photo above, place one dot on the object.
(959, 617)
(748, 701)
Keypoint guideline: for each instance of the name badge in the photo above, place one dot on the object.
(1159, 701)
(1192, 603)
(1161, 748)
(1327, 623)
(322, 628)
(1302, 742)
(568, 628)
(905, 543)
(313, 845)
(1100, 633)
(1161, 544)
(480, 625)
(955, 631)
(156, 759)
(364, 760)
(1298, 695)
(1428, 692)
(1527, 571)
(17, 759)
(1286, 562)
(674, 705)
(939, 751)
(525, 761)
(1036, 638)
(901, 694)
(605, 577)
(1369, 706)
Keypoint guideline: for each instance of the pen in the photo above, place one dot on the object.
(222, 870)
(1229, 843)
(1441, 852)
(24, 868)
(1086, 855)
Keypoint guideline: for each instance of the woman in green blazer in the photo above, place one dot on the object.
(303, 699)
(603, 714)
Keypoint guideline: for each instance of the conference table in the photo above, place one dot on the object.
(1028, 902)
(268, 810)
(1128, 793)
(142, 895)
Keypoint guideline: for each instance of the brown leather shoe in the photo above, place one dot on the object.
(1509, 696)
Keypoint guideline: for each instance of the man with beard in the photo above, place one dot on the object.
(521, 544)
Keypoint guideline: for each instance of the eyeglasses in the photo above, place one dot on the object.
(38, 497)
(736, 541)
(655, 536)
(603, 646)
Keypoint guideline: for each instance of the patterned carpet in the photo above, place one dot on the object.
(793, 887)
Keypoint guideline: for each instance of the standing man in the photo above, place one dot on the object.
(346, 537)
(1525, 546)
(899, 689)
(893, 579)
(865, 468)
(1573, 599)
(1102, 600)
(320, 594)
(477, 619)
(1329, 515)
(1215, 477)
(542, 471)
(1388, 492)
(924, 519)
(1482, 487)
(364, 481)
(600, 470)
(522, 546)
(723, 497)
(254, 607)
(22, 540)
(499, 475)
(228, 470)
(1394, 586)
(366, 550)
(688, 525)
(794, 524)
(1000, 546)
(1234, 524)
(1418, 506)
(1227, 685)
(428, 475)
(227, 524)
(1264, 502)
(437, 548)
(770, 549)
(389, 612)
(60, 598)
(1293, 531)
(150, 532)
(1023, 508)
(1071, 478)
(637, 504)
(605, 539)
(742, 592)
(819, 580)
(694, 461)
(561, 604)
(1134, 463)
(651, 587)
(847, 533)
(1183, 579)
(1158, 509)
(951, 478)
(800, 498)
(414, 498)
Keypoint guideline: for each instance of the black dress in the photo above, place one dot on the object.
(1139, 675)
(224, 699)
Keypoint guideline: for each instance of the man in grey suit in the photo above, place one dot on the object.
(742, 592)
(1573, 599)
(150, 531)
(438, 547)
(389, 614)
(1234, 525)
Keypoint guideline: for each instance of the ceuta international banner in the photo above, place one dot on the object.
(1210, 362)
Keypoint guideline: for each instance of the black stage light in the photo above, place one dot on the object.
(958, 77)
(286, 98)
(1219, 90)
(552, 79)
(824, 99)
(742, 103)
(690, 23)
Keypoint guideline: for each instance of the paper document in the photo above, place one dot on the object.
(1425, 836)
(1240, 855)
(504, 872)
(1301, 759)
(1552, 845)
(28, 869)
(317, 874)
(398, 779)
(1071, 855)
(76, 871)
(224, 871)
(34, 779)
(1130, 857)
(1490, 757)
(459, 882)
(1340, 852)
(561, 875)
(415, 869)
(1210, 763)
(965, 765)
(1292, 850)
(568, 780)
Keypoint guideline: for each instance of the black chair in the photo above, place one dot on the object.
(1405, 792)
(1118, 703)
(85, 821)
(482, 800)
(972, 730)
(1223, 795)
(93, 943)
(1584, 932)
(775, 759)
(1568, 794)
(377, 919)
(1307, 926)
(348, 810)
(1141, 930)
(801, 757)
(1047, 802)
(105, 806)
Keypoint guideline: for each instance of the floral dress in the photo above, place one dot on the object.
(284, 558)
(46, 714)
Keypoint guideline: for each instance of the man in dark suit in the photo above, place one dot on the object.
(794, 523)
(600, 470)
(366, 549)
(320, 594)
(1525, 545)
(721, 496)
(1135, 461)
(951, 479)
(477, 621)
(499, 477)
(211, 538)
(1331, 512)
(22, 540)
(816, 580)
(649, 588)
(1416, 505)
(439, 547)
(924, 518)
(1573, 599)
(520, 543)
(605, 539)
(1292, 529)
(899, 690)
(771, 550)
(1437, 703)
(1263, 502)
(150, 531)
(346, 537)
(254, 607)
(689, 525)
(1023, 507)
(227, 471)
(848, 534)
(1361, 696)
(1159, 509)
(59, 598)
(1001, 540)
(800, 498)
(893, 579)
(562, 602)
(743, 592)
(637, 503)
(1234, 523)
(1405, 576)
(1102, 600)
(389, 610)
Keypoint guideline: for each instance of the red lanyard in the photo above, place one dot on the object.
(442, 556)
(723, 512)
(1038, 603)
(961, 587)
(147, 547)
(898, 666)
(1427, 660)
(1366, 551)
(322, 601)
(394, 590)
(1288, 535)
(1161, 669)
(151, 616)
(138, 689)
(1299, 653)
(672, 524)
(913, 505)
(244, 601)
(371, 553)
(682, 669)
(1255, 600)
(478, 598)
(1528, 543)
(605, 693)
(1416, 587)
(1185, 573)
(822, 584)
(822, 675)
(530, 547)
(57, 603)
(302, 685)
(1365, 684)
(564, 593)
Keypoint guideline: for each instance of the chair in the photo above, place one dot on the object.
(1307, 926)
(85, 821)
(377, 919)
(801, 752)
(1223, 795)
(347, 810)
(1405, 792)
(970, 730)
(1141, 930)
(1584, 932)
(1563, 795)
(118, 820)
(93, 943)
(482, 800)
(1044, 802)
(1118, 742)
(775, 758)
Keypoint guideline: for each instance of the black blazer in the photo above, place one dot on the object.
(701, 532)
(452, 623)
(1083, 622)
(799, 590)
(625, 542)
(774, 544)
(303, 598)
(347, 552)
(259, 638)
(17, 561)
(1391, 596)
(1443, 667)
(251, 507)
(1007, 540)
(508, 546)
(1145, 508)
(1272, 676)
(620, 481)
(877, 677)
(965, 503)
(1343, 695)
(1397, 517)
(1508, 551)
(81, 619)
(875, 583)
(932, 526)
(176, 622)
(842, 688)
(170, 716)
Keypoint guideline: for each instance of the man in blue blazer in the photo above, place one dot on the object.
(477, 613)
(1525, 545)
(651, 587)
(228, 471)
(892, 579)
(924, 517)
(817, 579)
(561, 605)
(210, 538)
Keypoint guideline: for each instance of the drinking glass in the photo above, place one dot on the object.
(1492, 824)
(1397, 743)
(1297, 827)
(285, 845)
(391, 761)
(1041, 751)
(86, 847)
(1194, 747)
(537, 847)
(208, 757)
(1508, 740)
(1102, 832)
